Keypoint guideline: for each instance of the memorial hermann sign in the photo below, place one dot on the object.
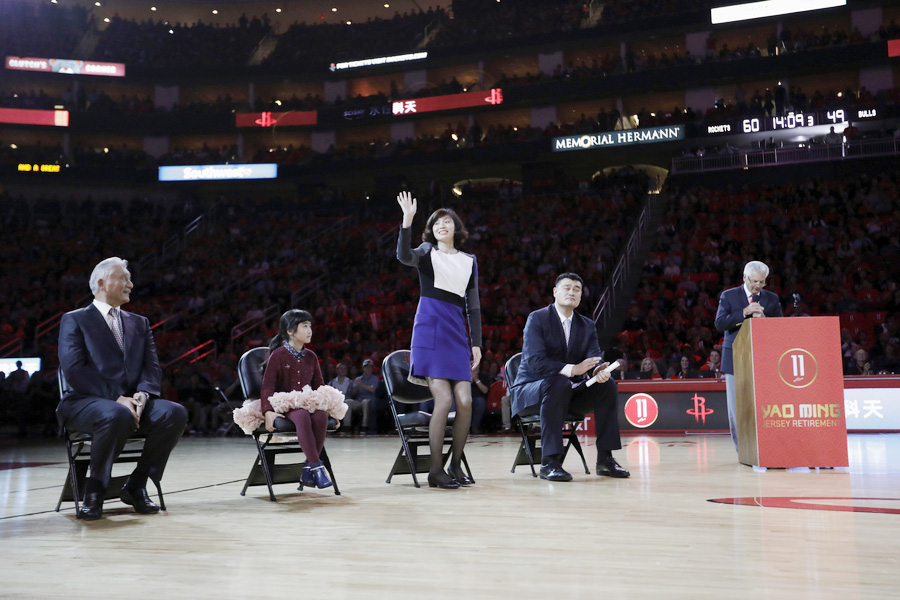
(619, 138)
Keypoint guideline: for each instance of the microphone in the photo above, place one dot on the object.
(754, 298)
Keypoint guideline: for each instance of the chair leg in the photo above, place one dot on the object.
(73, 473)
(411, 461)
(324, 458)
(573, 440)
(262, 462)
(528, 452)
(162, 501)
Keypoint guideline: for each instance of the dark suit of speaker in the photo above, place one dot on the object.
(729, 317)
(539, 386)
(97, 372)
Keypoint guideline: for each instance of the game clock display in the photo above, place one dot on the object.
(792, 120)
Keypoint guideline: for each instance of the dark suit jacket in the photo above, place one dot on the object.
(94, 365)
(730, 315)
(544, 351)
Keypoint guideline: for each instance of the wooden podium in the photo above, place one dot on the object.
(789, 392)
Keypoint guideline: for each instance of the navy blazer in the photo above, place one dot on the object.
(544, 351)
(94, 365)
(730, 315)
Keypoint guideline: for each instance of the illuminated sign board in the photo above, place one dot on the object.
(869, 409)
(893, 48)
(276, 119)
(218, 172)
(358, 114)
(793, 120)
(768, 8)
(628, 137)
(27, 116)
(491, 97)
(66, 66)
(374, 62)
(30, 168)
(30, 364)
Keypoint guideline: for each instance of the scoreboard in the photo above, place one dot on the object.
(791, 120)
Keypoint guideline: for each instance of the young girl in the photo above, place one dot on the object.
(289, 368)
(443, 351)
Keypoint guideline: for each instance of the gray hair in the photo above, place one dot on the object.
(755, 266)
(104, 270)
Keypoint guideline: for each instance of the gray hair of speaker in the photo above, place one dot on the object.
(755, 266)
(104, 270)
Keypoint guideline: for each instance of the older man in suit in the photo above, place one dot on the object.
(746, 301)
(560, 352)
(113, 384)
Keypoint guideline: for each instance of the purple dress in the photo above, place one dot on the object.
(448, 302)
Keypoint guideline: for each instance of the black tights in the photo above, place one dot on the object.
(443, 391)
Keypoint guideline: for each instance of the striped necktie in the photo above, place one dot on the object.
(116, 326)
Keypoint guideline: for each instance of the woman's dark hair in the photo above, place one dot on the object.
(289, 321)
(460, 233)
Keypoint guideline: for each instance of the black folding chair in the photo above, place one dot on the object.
(530, 427)
(270, 444)
(78, 454)
(412, 427)
(225, 409)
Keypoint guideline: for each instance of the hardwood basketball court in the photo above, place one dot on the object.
(655, 535)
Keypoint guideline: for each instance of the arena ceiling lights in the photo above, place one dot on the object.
(768, 8)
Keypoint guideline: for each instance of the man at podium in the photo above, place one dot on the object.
(746, 301)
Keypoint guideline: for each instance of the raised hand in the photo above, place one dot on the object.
(408, 205)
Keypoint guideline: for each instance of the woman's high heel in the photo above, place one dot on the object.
(459, 475)
(442, 480)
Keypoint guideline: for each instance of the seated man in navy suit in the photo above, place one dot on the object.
(113, 383)
(559, 353)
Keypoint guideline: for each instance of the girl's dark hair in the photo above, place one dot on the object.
(460, 233)
(289, 321)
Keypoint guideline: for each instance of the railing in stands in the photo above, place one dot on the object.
(253, 322)
(196, 353)
(308, 289)
(11, 348)
(787, 156)
(46, 326)
(249, 279)
(171, 247)
(607, 300)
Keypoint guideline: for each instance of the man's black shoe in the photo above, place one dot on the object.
(139, 500)
(609, 467)
(555, 472)
(91, 508)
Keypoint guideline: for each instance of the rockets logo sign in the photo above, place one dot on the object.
(700, 411)
(641, 410)
(265, 120)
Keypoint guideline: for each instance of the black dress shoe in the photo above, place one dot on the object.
(139, 500)
(609, 467)
(443, 481)
(555, 472)
(460, 476)
(91, 508)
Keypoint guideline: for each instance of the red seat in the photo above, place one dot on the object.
(852, 320)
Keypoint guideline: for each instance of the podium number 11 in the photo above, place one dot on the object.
(797, 363)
